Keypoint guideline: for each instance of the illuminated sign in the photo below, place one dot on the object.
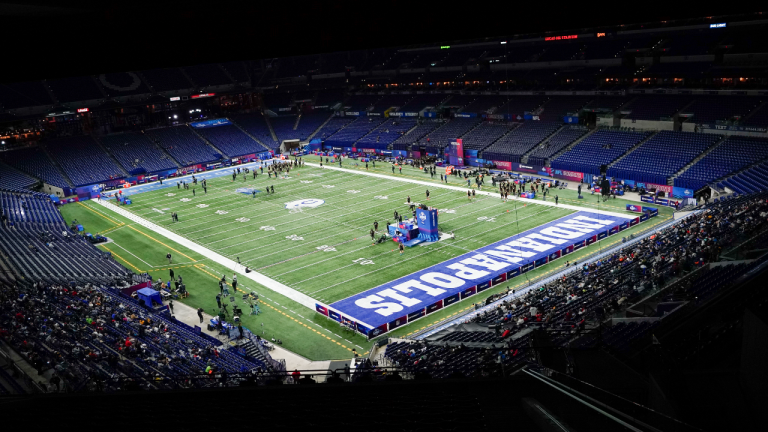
(82, 110)
(445, 47)
(601, 35)
(718, 25)
(553, 38)
(202, 95)
(504, 42)
(175, 98)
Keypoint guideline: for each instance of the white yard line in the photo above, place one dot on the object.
(259, 278)
(148, 264)
(464, 189)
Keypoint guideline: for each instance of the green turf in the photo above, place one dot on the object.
(261, 232)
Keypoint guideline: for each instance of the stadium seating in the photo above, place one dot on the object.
(733, 154)
(656, 107)
(256, 125)
(389, 101)
(455, 128)
(711, 109)
(661, 156)
(485, 103)
(354, 131)
(34, 161)
(237, 70)
(485, 134)
(283, 127)
(181, 143)
(333, 126)
(129, 148)
(519, 105)
(540, 156)
(37, 249)
(11, 178)
(309, 123)
(602, 147)
(276, 101)
(751, 180)
(361, 102)
(390, 130)
(420, 102)
(515, 144)
(415, 135)
(83, 160)
(559, 106)
(758, 118)
(231, 140)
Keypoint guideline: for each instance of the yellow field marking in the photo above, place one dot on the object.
(100, 214)
(121, 258)
(198, 266)
(158, 241)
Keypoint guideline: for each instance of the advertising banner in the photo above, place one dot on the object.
(502, 165)
(679, 192)
(210, 123)
(428, 287)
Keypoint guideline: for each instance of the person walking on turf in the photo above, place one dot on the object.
(556, 198)
(234, 282)
(169, 258)
(427, 194)
(171, 274)
(218, 300)
(373, 237)
(402, 249)
(376, 226)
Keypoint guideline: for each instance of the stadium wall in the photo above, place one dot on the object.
(648, 124)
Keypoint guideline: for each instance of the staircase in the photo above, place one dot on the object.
(312, 135)
(631, 149)
(671, 180)
(210, 144)
(271, 131)
(58, 167)
(570, 146)
(165, 152)
(296, 123)
(480, 152)
(119, 165)
(369, 132)
(524, 156)
(252, 137)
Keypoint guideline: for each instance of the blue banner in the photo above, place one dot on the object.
(429, 287)
(682, 192)
(210, 123)
(465, 115)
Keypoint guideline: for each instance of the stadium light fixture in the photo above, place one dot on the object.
(175, 116)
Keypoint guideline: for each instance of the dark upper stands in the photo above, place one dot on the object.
(11, 178)
(354, 131)
(656, 107)
(256, 125)
(450, 130)
(75, 89)
(24, 94)
(122, 84)
(206, 75)
(561, 140)
(166, 79)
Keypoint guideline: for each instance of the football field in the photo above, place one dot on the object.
(312, 235)
(326, 251)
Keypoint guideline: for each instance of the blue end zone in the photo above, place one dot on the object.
(392, 304)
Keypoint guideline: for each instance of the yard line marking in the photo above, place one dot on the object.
(148, 264)
(257, 277)
(120, 258)
(100, 214)
(158, 241)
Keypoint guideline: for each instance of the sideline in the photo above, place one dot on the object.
(259, 278)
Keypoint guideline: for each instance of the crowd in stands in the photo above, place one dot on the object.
(594, 291)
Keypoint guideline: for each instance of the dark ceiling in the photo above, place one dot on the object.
(43, 39)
